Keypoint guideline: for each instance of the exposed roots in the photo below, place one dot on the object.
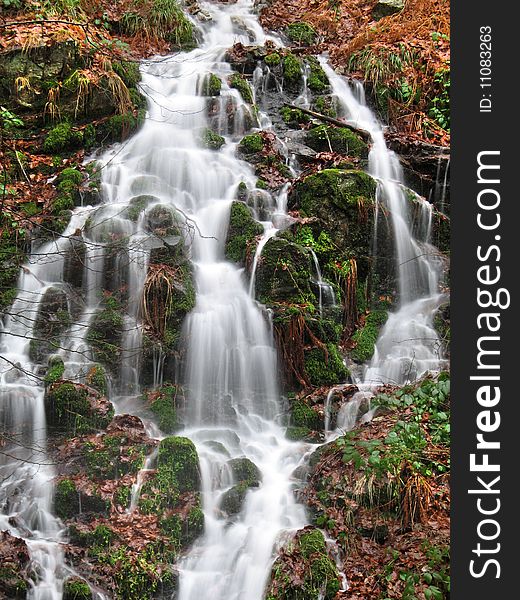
(158, 298)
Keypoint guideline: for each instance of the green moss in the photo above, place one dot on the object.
(296, 434)
(366, 337)
(239, 83)
(312, 542)
(251, 144)
(233, 499)
(242, 231)
(340, 139)
(302, 415)
(318, 575)
(97, 379)
(325, 369)
(284, 274)
(292, 70)
(128, 71)
(177, 472)
(120, 127)
(104, 336)
(163, 407)
(211, 85)
(293, 117)
(325, 105)
(71, 175)
(62, 137)
(244, 470)
(273, 60)
(55, 370)
(137, 205)
(301, 33)
(66, 499)
(113, 459)
(76, 589)
(212, 140)
(68, 408)
(318, 81)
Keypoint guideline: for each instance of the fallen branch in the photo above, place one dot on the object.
(361, 132)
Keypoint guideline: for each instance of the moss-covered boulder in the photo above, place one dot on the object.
(211, 85)
(338, 139)
(325, 366)
(74, 260)
(251, 144)
(76, 589)
(366, 336)
(306, 555)
(317, 81)
(244, 469)
(292, 71)
(69, 501)
(72, 408)
(343, 202)
(163, 404)
(177, 472)
(52, 319)
(284, 273)
(105, 334)
(211, 140)
(241, 84)
(242, 233)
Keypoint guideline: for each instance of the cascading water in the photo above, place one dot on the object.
(408, 345)
(233, 397)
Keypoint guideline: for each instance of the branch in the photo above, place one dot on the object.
(361, 132)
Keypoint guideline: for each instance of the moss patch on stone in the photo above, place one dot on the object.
(242, 232)
(366, 337)
(239, 83)
(340, 139)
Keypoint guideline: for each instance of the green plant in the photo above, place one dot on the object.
(439, 109)
(9, 120)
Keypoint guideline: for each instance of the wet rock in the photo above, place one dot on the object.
(245, 470)
(51, 321)
(242, 233)
(325, 138)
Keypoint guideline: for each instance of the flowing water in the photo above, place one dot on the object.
(231, 372)
(408, 345)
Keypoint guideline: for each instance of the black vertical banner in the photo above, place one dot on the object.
(485, 327)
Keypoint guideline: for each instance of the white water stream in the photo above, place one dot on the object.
(231, 373)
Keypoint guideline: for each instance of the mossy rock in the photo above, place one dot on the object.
(292, 71)
(233, 500)
(69, 502)
(51, 321)
(244, 470)
(163, 220)
(325, 368)
(119, 127)
(163, 406)
(76, 589)
(302, 415)
(105, 335)
(319, 578)
(317, 81)
(55, 370)
(114, 458)
(366, 337)
(284, 273)
(325, 104)
(211, 85)
(211, 140)
(294, 117)
(340, 139)
(301, 33)
(343, 202)
(71, 409)
(241, 234)
(138, 204)
(97, 379)
(239, 83)
(63, 137)
(273, 60)
(177, 472)
(251, 144)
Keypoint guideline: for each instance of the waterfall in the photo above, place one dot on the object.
(233, 399)
(408, 345)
